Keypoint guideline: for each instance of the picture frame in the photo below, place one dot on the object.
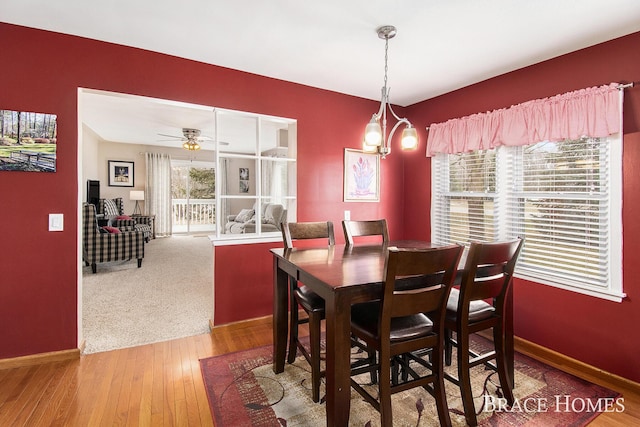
(121, 173)
(28, 141)
(244, 180)
(361, 176)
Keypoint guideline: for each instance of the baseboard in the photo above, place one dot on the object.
(37, 359)
(247, 322)
(574, 366)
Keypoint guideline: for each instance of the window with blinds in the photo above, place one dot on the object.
(564, 198)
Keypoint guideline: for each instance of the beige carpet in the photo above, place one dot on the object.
(169, 297)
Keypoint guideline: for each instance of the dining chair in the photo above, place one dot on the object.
(376, 227)
(397, 325)
(311, 303)
(487, 276)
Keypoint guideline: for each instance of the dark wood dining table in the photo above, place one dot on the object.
(342, 276)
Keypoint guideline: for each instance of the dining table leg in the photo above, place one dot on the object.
(280, 310)
(338, 360)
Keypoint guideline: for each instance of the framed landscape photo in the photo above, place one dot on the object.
(361, 176)
(28, 141)
(120, 173)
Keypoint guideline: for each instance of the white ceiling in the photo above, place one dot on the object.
(442, 45)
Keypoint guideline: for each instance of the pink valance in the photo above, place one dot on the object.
(593, 112)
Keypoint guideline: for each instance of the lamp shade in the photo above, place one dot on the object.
(136, 195)
(373, 133)
(409, 138)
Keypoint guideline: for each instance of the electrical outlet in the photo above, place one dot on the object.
(347, 215)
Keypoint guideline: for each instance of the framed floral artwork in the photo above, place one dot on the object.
(361, 176)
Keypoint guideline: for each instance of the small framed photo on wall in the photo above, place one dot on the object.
(120, 174)
(244, 180)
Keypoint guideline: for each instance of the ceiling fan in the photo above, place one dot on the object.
(191, 138)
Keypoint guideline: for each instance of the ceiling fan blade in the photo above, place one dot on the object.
(171, 136)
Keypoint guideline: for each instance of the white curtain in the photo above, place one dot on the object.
(158, 191)
(272, 181)
(223, 190)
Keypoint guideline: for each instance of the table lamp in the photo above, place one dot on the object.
(136, 195)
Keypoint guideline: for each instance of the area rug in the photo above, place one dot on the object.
(243, 391)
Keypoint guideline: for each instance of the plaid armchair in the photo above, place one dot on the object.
(112, 208)
(105, 247)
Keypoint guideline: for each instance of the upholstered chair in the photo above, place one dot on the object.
(376, 227)
(406, 323)
(487, 276)
(112, 209)
(309, 301)
(99, 246)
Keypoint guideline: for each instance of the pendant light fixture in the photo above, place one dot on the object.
(191, 143)
(375, 137)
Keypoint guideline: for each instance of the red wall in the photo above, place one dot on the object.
(42, 71)
(38, 270)
(597, 332)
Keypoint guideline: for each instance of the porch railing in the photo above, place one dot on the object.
(199, 214)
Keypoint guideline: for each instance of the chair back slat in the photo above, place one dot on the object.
(489, 270)
(306, 231)
(353, 229)
(431, 272)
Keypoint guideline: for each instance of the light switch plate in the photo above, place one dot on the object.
(347, 215)
(56, 222)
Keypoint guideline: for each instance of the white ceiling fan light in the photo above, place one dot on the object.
(192, 139)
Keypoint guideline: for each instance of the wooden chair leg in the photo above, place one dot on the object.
(384, 387)
(448, 346)
(501, 364)
(314, 344)
(464, 378)
(438, 387)
(94, 268)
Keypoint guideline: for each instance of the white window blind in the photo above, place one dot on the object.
(564, 198)
(465, 203)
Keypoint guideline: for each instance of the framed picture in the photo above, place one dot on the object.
(120, 174)
(361, 176)
(244, 180)
(244, 174)
(28, 141)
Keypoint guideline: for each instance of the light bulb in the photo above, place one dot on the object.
(409, 138)
(373, 133)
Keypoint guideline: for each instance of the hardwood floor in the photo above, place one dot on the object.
(153, 385)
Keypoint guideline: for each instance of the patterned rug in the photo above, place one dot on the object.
(244, 391)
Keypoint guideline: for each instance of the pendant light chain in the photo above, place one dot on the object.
(386, 62)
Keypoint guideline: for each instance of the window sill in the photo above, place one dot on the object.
(603, 294)
(228, 241)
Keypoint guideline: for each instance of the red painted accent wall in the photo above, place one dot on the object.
(38, 269)
(597, 332)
